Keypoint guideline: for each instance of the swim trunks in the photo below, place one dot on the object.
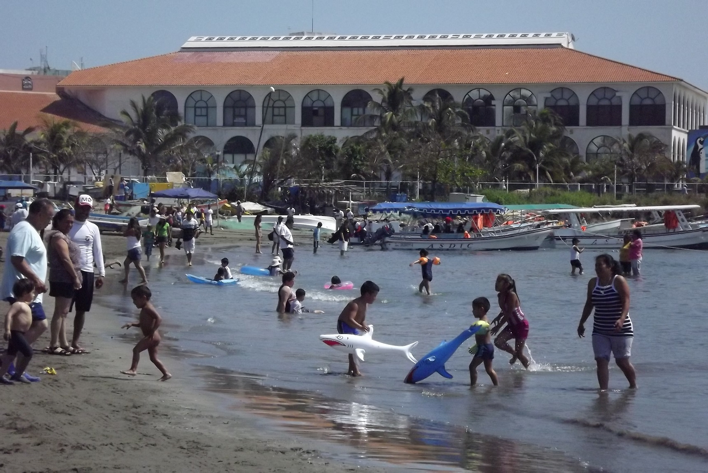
(345, 328)
(18, 344)
(485, 351)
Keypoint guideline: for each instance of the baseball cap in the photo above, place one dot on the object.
(18, 205)
(84, 199)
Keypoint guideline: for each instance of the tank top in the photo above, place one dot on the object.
(516, 316)
(132, 242)
(574, 253)
(57, 271)
(608, 310)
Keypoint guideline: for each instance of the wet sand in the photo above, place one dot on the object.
(89, 417)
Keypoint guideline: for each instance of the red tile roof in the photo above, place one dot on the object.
(40, 83)
(362, 67)
(28, 108)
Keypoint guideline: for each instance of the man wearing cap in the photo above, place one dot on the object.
(287, 245)
(87, 237)
(27, 258)
(18, 215)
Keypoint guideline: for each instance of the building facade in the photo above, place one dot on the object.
(242, 91)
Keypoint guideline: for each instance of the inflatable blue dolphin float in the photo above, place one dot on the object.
(435, 360)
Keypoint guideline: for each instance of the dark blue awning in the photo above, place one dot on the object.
(439, 208)
(185, 193)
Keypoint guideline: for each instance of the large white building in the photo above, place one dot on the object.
(222, 84)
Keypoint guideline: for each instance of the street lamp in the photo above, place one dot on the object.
(260, 136)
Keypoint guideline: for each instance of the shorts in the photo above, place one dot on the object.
(134, 254)
(84, 296)
(18, 344)
(520, 331)
(161, 239)
(148, 249)
(345, 329)
(626, 267)
(189, 246)
(575, 263)
(343, 245)
(208, 224)
(485, 351)
(36, 308)
(636, 266)
(62, 289)
(288, 254)
(603, 345)
(315, 244)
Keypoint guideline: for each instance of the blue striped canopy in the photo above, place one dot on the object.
(439, 208)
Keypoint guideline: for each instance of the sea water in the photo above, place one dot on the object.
(551, 417)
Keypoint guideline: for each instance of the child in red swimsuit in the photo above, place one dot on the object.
(517, 327)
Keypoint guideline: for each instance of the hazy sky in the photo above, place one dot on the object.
(668, 36)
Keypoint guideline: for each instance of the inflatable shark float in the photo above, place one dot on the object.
(358, 345)
(434, 362)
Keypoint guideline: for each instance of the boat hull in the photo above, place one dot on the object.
(519, 241)
(301, 222)
(689, 239)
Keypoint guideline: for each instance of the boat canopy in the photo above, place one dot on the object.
(439, 208)
(185, 193)
(649, 208)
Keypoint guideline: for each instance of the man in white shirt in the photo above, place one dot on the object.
(18, 215)
(190, 229)
(287, 245)
(209, 220)
(87, 237)
(27, 258)
(153, 219)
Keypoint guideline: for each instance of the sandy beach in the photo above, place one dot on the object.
(91, 418)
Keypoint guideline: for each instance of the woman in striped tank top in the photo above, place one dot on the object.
(612, 331)
(517, 327)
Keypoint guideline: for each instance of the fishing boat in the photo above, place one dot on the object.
(492, 239)
(113, 223)
(656, 234)
(300, 222)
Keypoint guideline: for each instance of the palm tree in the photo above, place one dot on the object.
(60, 144)
(150, 133)
(639, 154)
(537, 145)
(395, 109)
(15, 149)
(277, 162)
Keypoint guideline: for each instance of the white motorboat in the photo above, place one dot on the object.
(301, 222)
(655, 235)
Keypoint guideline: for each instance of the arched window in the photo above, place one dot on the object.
(442, 93)
(318, 109)
(647, 107)
(569, 145)
(604, 108)
(565, 103)
(478, 103)
(279, 108)
(517, 105)
(200, 109)
(602, 147)
(166, 100)
(239, 109)
(355, 105)
(238, 150)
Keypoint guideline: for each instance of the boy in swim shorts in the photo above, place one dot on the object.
(18, 321)
(484, 350)
(352, 320)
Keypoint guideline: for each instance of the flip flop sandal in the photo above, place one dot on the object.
(77, 351)
(58, 351)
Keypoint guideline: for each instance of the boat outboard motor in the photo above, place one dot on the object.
(383, 232)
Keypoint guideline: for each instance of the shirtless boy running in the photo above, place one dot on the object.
(150, 320)
(17, 321)
(352, 319)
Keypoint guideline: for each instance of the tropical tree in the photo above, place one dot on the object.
(15, 148)
(353, 159)
(60, 144)
(639, 156)
(277, 163)
(196, 150)
(394, 110)
(318, 157)
(150, 133)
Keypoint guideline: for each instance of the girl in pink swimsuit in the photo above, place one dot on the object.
(517, 327)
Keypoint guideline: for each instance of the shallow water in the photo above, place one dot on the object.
(548, 418)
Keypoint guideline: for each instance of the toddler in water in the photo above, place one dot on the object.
(149, 322)
(484, 350)
(220, 274)
(517, 327)
(575, 257)
(353, 318)
(335, 282)
(296, 306)
(18, 321)
(426, 266)
(225, 267)
(274, 268)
